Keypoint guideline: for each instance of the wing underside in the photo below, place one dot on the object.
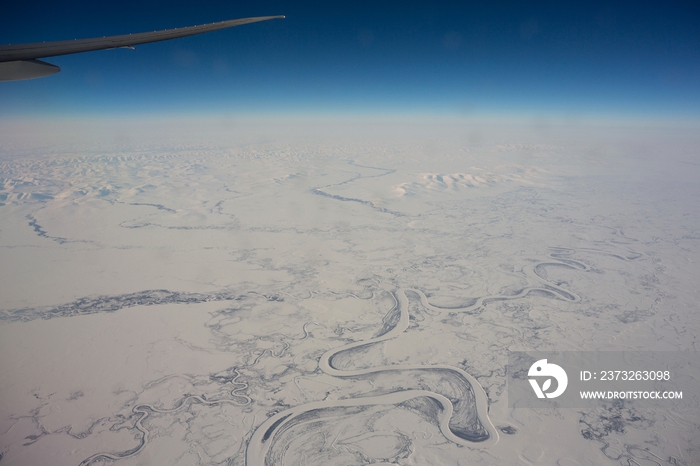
(20, 61)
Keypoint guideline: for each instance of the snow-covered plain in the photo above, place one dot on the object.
(267, 292)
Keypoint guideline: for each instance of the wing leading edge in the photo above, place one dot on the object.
(20, 61)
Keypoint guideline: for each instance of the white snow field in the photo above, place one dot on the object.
(337, 293)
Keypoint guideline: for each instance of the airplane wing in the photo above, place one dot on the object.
(20, 61)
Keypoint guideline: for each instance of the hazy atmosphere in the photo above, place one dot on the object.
(317, 240)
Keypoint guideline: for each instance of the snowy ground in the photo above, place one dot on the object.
(345, 295)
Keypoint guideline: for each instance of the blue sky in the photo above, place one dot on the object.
(627, 59)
